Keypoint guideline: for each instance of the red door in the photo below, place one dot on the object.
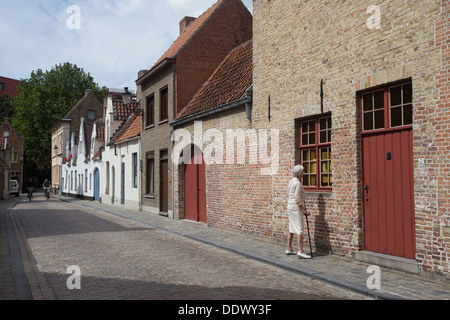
(195, 190)
(388, 185)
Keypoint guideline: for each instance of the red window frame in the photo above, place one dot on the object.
(315, 152)
(384, 102)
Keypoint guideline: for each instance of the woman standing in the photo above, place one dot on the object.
(296, 208)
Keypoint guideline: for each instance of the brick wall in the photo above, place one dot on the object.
(228, 27)
(298, 44)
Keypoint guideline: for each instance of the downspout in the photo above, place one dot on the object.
(140, 156)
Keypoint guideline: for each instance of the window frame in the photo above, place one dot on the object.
(150, 110)
(387, 108)
(317, 146)
(150, 173)
(91, 118)
(164, 103)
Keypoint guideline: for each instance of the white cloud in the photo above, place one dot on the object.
(117, 37)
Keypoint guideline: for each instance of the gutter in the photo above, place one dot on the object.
(160, 66)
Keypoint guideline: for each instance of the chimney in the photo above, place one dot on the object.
(185, 22)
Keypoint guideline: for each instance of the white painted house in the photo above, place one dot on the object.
(81, 164)
(82, 169)
(120, 169)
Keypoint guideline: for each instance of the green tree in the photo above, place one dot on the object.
(45, 98)
(6, 107)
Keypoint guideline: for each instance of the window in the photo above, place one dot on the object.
(163, 101)
(14, 154)
(91, 115)
(388, 107)
(315, 152)
(2, 86)
(150, 111)
(86, 181)
(150, 173)
(135, 170)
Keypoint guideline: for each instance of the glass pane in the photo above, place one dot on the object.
(368, 121)
(306, 180)
(304, 127)
(304, 139)
(396, 96)
(325, 180)
(323, 136)
(324, 154)
(313, 155)
(312, 181)
(324, 167)
(306, 165)
(407, 93)
(312, 138)
(407, 115)
(305, 155)
(379, 100)
(396, 117)
(312, 126)
(379, 119)
(323, 124)
(313, 167)
(367, 102)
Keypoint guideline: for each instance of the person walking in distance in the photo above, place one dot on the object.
(296, 207)
(46, 186)
(30, 187)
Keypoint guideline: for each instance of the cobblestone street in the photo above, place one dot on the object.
(123, 259)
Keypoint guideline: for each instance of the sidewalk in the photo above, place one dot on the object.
(340, 271)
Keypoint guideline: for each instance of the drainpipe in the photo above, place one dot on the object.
(249, 103)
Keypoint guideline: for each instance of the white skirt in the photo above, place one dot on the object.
(296, 225)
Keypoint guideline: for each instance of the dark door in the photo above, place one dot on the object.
(164, 183)
(387, 159)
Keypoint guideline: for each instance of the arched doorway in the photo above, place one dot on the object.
(195, 188)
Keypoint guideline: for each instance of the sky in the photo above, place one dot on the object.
(110, 39)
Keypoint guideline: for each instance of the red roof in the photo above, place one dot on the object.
(184, 38)
(188, 33)
(123, 111)
(130, 129)
(228, 83)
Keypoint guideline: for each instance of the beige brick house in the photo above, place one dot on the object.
(166, 88)
(360, 93)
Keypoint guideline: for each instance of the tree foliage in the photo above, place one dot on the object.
(45, 98)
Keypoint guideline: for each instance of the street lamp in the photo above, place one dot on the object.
(126, 96)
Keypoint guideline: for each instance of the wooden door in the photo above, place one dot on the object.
(195, 190)
(164, 183)
(388, 179)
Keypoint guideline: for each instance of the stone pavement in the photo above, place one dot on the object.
(340, 271)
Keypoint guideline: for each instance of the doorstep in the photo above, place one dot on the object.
(385, 260)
